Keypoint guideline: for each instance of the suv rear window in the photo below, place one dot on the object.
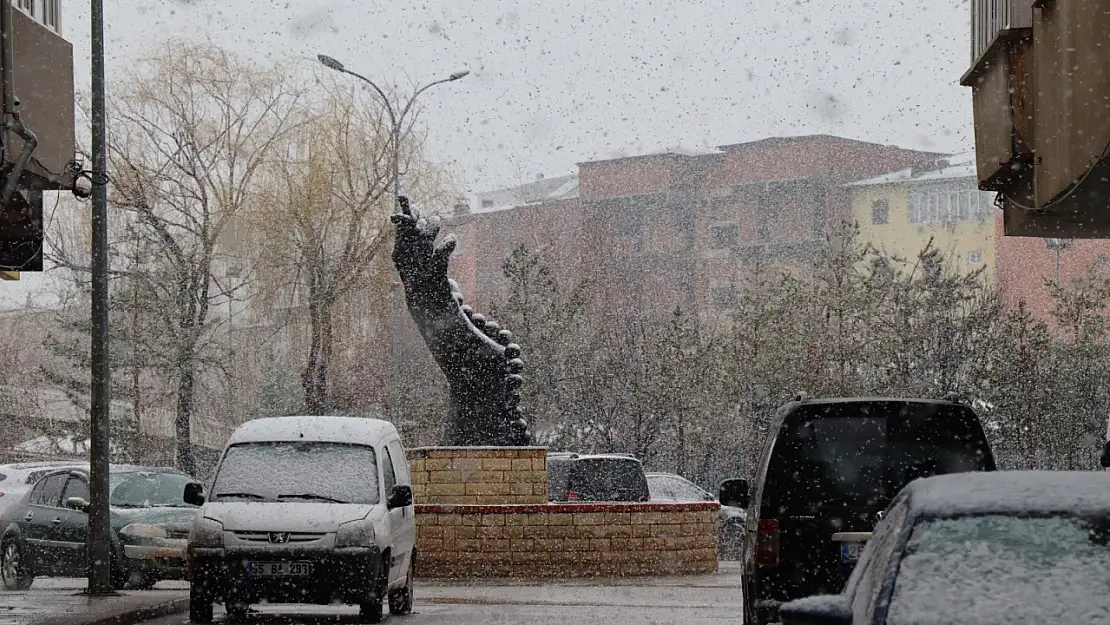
(607, 479)
(860, 454)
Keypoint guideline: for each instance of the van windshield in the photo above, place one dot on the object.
(860, 454)
(298, 471)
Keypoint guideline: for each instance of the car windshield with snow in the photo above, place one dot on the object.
(295, 470)
(1018, 547)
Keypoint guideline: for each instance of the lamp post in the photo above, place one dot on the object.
(397, 117)
(98, 544)
(1058, 245)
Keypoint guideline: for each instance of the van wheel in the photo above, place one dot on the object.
(400, 602)
(372, 609)
(200, 604)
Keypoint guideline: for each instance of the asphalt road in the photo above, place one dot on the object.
(693, 600)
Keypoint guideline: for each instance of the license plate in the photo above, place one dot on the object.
(850, 551)
(280, 569)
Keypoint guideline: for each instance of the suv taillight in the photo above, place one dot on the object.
(767, 543)
(572, 496)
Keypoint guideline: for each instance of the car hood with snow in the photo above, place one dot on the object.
(281, 517)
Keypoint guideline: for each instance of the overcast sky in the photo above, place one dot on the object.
(558, 82)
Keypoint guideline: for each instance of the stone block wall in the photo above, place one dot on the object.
(479, 475)
(566, 540)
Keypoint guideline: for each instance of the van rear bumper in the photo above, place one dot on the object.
(350, 575)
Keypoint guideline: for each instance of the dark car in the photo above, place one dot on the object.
(827, 471)
(1004, 547)
(46, 531)
(601, 477)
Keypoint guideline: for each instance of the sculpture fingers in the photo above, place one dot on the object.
(432, 226)
(442, 254)
(403, 204)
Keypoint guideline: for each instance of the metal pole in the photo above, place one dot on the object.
(98, 543)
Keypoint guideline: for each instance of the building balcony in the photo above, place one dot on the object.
(1040, 81)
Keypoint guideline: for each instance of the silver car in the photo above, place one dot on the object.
(730, 520)
(18, 478)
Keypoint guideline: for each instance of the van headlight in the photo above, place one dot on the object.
(206, 532)
(143, 531)
(355, 534)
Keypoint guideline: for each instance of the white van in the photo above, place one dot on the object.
(305, 510)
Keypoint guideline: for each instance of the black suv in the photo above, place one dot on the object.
(828, 470)
(602, 477)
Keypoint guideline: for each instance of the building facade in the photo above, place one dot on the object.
(681, 228)
(904, 211)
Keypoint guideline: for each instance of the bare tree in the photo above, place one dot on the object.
(321, 218)
(191, 128)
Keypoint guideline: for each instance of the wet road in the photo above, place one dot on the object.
(693, 600)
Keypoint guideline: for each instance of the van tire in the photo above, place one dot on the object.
(200, 605)
(400, 602)
(372, 609)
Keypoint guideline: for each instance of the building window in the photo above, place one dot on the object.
(723, 236)
(975, 257)
(949, 202)
(50, 16)
(880, 212)
(28, 6)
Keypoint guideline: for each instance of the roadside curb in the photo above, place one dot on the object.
(129, 616)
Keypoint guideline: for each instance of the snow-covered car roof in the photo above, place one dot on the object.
(314, 429)
(1010, 492)
(853, 400)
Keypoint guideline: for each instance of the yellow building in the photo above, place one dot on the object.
(902, 211)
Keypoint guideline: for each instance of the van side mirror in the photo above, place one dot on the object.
(400, 497)
(79, 504)
(735, 493)
(194, 494)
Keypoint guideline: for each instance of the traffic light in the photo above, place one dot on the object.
(21, 233)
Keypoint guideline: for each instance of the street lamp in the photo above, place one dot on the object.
(1058, 245)
(396, 118)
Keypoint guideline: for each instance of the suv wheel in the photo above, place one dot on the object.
(400, 602)
(14, 573)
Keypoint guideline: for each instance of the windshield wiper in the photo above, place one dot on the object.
(244, 495)
(312, 496)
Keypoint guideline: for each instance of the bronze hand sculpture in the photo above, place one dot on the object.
(479, 359)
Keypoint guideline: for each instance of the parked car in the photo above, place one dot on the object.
(730, 519)
(1004, 547)
(150, 521)
(16, 479)
(600, 477)
(305, 510)
(827, 471)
